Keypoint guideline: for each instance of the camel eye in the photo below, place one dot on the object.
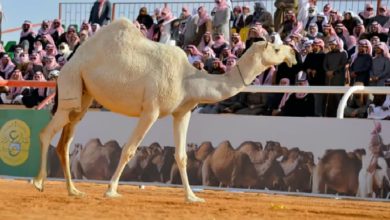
(277, 50)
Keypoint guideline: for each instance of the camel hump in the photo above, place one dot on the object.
(117, 28)
(225, 145)
(334, 155)
(124, 22)
(155, 145)
(295, 149)
(93, 142)
(224, 150)
(205, 149)
(250, 145)
(206, 144)
(119, 24)
(112, 143)
(335, 151)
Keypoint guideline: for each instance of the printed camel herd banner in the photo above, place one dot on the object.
(319, 155)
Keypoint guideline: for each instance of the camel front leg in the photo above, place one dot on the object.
(144, 124)
(180, 127)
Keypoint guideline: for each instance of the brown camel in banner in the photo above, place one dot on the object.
(96, 161)
(196, 157)
(297, 166)
(229, 167)
(54, 164)
(160, 81)
(270, 172)
(143, 166)
(75, 168)
(203, 150)
(254, 150)
(165, 162)
(338, 171)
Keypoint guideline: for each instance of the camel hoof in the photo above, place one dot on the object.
(38, 184)
(194, 199)
(112, 194)
(76, 193)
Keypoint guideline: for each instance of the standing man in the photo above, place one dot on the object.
(334, 66)
(313, 65)
(282, 7)
(361, 63)
(100, 12)
(220, 19)
(263, 16)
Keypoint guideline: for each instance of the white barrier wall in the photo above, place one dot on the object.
(309, 134)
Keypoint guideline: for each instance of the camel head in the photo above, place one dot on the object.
(192, 146)
(272, 145)
(294, 154)
(358, 153)
(274, 54)
(285, 153)
(76, 150)
(307, 157)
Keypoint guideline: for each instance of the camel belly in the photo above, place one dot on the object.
(131, 97)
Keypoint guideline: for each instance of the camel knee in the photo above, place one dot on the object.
(181, 160)
(45, 137)
(60, 152)
(74, 118)
(128, 154)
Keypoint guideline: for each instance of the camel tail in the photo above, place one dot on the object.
(55, 106)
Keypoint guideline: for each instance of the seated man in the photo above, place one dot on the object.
(357, 104)
(299, 104)
(380, 109)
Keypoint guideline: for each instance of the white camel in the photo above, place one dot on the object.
(133, 76)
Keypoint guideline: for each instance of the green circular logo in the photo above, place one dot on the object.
(14, 142)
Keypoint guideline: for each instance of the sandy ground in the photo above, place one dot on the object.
(19, 200)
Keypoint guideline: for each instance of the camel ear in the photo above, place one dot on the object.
(266, 44)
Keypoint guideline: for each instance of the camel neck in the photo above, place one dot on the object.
(242, 78)
(213, 88)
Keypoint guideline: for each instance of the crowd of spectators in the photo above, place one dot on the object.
(40, 55)
(332, 48)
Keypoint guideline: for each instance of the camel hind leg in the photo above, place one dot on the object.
(59, 120)
(145, 122)
(65, 141)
